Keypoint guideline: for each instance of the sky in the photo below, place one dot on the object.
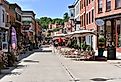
(49, 8)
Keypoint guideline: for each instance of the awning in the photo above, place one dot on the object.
(76, 33)
(60, 35)
(82, 33)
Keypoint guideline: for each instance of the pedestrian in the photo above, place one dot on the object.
(55, 46)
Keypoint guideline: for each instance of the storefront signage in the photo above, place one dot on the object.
(99, 22)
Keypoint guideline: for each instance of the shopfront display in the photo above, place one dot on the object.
(3, 41)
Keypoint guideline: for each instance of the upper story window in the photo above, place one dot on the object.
(77, 9)
(118, 3)
(72, 11)
(100, 7)
(93, 15)
(82, 4)
(89, 1)
(3, 15)
(18, 17)
(108, 5)
(82, 20)
(87, 18)
(86, 2)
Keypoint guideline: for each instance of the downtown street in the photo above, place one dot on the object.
(43, 66)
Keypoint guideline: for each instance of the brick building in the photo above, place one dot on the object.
(110, 12)
(38, 31)
(29, 24)
(84, 11)
(54, 29)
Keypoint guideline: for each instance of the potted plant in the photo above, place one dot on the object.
(101, 46)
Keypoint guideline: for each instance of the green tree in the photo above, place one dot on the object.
(58, 21)
(44, 21)
(65, 17)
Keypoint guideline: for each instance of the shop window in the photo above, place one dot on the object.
(118, 3)
(108, 33)
(108, 5)
(100, 6)
(118, 25)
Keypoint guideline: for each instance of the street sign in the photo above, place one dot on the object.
(99, 22)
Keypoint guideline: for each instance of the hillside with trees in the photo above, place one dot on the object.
(45, 21)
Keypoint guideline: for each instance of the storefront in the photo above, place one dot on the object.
(4, 40)
(111, 31)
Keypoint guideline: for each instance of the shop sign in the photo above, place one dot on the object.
(99, 22)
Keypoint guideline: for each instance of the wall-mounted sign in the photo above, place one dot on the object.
(99, 22)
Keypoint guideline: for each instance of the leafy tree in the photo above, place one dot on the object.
(65, 17)
(58, 21)
(44, 21)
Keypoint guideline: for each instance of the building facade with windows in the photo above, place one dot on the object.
(87, 18)
(110, 12)
(77, 13)
(16, 23)
(70, 25)
(29, 24)
(5, 24)
(38, 31)
(84, 11)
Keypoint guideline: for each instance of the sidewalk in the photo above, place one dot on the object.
(94, 71)
(8, 71)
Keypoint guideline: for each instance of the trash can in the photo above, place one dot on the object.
(111, 53)
(100, 52)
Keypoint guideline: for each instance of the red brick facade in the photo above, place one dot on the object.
(104, 13)
(110, 13)
(87, 14)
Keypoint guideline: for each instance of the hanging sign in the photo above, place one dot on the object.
(99, 22)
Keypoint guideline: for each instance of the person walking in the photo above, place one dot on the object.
(55, 46)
